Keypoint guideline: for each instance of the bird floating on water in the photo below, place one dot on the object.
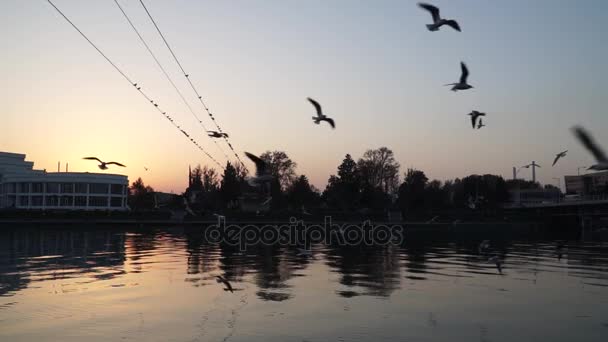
(215, 134)
(437, 20)
(320, 116)
(462, 84)
(587, 140)
(226, 283)
(496, 260)
(103, 165)
(474, 115)
(558, 156)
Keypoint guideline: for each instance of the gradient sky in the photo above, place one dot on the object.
(538, 68)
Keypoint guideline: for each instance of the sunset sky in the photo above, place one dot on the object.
(538, 68)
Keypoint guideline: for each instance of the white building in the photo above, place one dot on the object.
(22, 187)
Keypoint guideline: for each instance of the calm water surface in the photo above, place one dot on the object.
(159, 285)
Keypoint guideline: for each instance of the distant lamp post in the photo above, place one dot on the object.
(534, 166)
(578, 169)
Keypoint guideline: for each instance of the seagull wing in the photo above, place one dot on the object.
(473, 119)
(115, 163)
(432, 9)
(317, 107)
(556, 159)
(587, 141)
(330, 121)
(465, 73)
(453, 24)
(92, 158)
(260, 165)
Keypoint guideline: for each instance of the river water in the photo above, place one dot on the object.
(84, 284)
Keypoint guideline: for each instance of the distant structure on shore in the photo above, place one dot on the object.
(587, 184)
(23, 187)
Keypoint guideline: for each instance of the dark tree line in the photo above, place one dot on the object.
(371, 183)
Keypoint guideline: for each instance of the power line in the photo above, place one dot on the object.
(200, 122)
(200, 98)
(124, 75)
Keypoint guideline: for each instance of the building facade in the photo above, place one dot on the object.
(588, 184)
(23, 187)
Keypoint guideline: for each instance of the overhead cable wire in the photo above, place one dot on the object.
(135, 85)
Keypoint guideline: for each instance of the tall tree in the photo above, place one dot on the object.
(141, 196)
(301, 193)
(281, 166)
(379, 169)
(412, 190)
(209, 179)
(230, 186)
(344, 190)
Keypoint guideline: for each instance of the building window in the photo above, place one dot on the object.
(52, 188)
(97, 201)
(37, 188)
(80, 188)
(24, 188)
(66, 201)
(116, 202)
(52, 201)
(117, 189)
(98, 188)
(36, 201)
(67, 188)
(80, 201)
(24, 201)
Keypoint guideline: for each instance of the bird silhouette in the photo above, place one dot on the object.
(215, 134)
(437, 20)
(262, 171)
(320, 116)
(226, 283)
(474, 115)
(462, 84)
(103, 165)
(558, 156)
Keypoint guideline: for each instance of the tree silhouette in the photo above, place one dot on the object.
(283, 168)
(301, 193)
(412, 192)
(141, 196)
(379, 169)
(230, 186)
(344, 191)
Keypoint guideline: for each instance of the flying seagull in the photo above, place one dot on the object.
(262, 172)
(223, 280)
(587, 140)
(462, 84)
(481, 124)
(558, 156)
(320, 116)
(103, 165)
(215, 134)
(474, 115)
(437, 20)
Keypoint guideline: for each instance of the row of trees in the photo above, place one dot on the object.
(372, 182)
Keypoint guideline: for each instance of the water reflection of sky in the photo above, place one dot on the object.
(159, 285)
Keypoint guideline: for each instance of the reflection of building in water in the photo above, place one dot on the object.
(58, 254)
(22, 187)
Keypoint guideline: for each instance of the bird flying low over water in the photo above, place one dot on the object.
(103, 165)
(474, 115)
(437, 20)
(462, 84)
(223, 280)
(320, 116)
(215, 134)
(262, 172)
(558, 156)
(481, 124)
(587, 140)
